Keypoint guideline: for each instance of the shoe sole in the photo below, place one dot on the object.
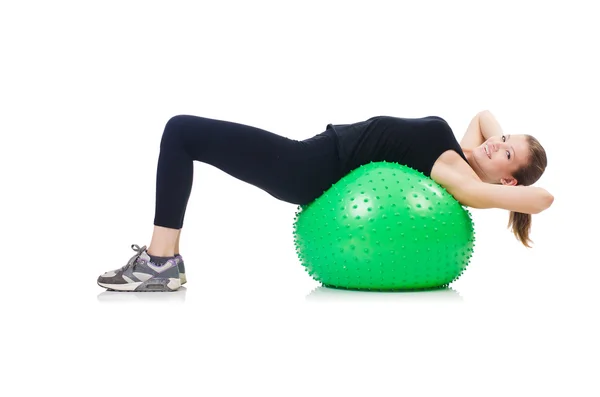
(152, 285)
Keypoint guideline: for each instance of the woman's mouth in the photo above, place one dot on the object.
(486, 149)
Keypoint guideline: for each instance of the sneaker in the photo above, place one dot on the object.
(141, 275)
(181, 266)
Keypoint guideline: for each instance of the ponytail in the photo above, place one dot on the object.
(521, 226)
(528, 175)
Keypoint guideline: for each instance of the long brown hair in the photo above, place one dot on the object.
(528, 175)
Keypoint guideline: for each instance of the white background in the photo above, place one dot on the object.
(85, 91)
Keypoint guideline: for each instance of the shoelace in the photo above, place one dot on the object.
(134, 258)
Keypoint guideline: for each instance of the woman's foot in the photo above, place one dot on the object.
(141, 274)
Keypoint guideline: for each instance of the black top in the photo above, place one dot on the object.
(414, 142)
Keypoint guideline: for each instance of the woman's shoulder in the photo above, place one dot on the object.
(451, 168)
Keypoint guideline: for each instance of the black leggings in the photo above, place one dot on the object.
(294, 171)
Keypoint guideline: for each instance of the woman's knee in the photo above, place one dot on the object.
(176, 123)
(172, 131)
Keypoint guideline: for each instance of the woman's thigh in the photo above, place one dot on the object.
(290, 170)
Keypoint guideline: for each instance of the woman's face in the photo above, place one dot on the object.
(499, 157)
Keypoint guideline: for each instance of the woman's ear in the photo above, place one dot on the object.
(508, 181)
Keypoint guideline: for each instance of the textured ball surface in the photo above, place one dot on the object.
(384, 226)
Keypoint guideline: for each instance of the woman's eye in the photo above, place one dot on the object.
(508, 153)
(503, 138)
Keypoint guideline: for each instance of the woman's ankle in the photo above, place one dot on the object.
(165, 254)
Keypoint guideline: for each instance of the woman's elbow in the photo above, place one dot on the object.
(544, 204)
(547, 202)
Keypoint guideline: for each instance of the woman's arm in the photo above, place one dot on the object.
(524, 199)
(476, 194)
(483, 126)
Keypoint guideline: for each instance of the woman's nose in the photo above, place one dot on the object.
(498, 146)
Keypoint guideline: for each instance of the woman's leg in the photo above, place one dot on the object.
(164, 242)
(290, 170)
(177, 242)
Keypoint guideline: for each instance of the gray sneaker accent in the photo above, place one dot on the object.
(151, 277)
(182, 276)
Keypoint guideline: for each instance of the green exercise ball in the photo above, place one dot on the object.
(384, 227)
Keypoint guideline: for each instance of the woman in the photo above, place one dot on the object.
(487, 170)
